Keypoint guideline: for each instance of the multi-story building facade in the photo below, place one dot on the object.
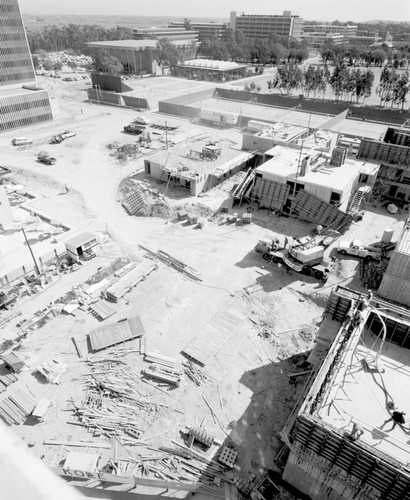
(206, 31)
(263, 26)
(174, 33)
(19, 107)
(318, 33)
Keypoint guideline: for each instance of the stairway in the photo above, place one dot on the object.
(357, 199)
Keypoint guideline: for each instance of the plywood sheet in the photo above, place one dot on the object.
(216, 333)
(115, 333)
(102, 309)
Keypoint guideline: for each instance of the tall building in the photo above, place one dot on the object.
(262, 26)
(171, 33)
(19, 107)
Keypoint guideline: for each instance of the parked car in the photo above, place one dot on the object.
(21, 141)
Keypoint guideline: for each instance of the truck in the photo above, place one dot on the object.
(356, 249)
(134, 128)
(44, 157)
(141, 120)
(21, 141)
(57, 139)
(298, 256)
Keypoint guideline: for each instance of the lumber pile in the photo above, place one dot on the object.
(160, 359)
(113, 403)
(196, 374)
(6, 377)
(127, 281)
(17, 407)
(163, 373)
(174, 263)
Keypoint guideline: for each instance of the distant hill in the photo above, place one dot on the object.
(34, 23)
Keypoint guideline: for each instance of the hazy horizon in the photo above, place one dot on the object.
(349, 10)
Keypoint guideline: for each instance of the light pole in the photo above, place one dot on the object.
(300, 156)
(31, 251)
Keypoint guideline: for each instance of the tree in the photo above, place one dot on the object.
(167, 53)
(106, 63)
(378, 56)
(387, 83)
(339, 80)
(187, 24)
(72, 64)
(401, 89)
(290, 77)
(364, 82)
(36, 61)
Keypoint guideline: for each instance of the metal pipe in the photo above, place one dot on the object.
(32, 254)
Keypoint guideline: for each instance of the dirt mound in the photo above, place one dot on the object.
(140, 198)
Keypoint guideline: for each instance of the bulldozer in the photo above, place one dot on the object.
(299, 255)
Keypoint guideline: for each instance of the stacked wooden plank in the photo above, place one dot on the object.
(160, 359)
(102, 309)
(6, 378)
(15, 408)
(163, 373)
(196, 374)
(129, 280)
(174, 263)
(221, 327)
(115, 333)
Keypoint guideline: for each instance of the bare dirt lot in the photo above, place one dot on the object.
(249, 388)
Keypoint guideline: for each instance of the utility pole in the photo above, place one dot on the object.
(300, 155)
(166, 135)
(31, 251)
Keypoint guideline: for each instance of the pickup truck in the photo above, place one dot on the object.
(356, 249)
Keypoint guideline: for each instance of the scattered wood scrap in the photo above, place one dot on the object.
(114, 403)
(197, 374)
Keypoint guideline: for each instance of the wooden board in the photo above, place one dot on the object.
(208, 342)
(129, 280)
(115, 333)
(102, 309)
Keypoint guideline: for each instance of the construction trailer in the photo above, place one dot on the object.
(395, 285)
(83, 246)
(392, 153)
(361, 378)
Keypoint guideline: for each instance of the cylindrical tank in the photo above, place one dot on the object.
(387, 235)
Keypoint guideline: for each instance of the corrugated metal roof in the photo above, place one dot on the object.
(403, 245)
(115, 333)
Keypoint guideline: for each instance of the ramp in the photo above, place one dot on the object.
(216, 333)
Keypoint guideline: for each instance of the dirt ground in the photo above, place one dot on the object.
(250, 372)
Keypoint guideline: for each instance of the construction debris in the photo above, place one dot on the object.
(52, 370)
(114, 405)
(169, 375)
(228, 456)
(174, 263)
(196, 374)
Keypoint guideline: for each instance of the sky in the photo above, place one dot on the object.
(327, 10)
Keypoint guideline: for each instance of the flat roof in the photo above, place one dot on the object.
(285, 165)
(134, 44)
(362, 129)
(211, 64)
(17, 91)
(180, 156)
(361, 396)
(281, 131)
(79, 239)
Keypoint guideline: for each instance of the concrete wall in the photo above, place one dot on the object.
(135, 102)
(104, 97)
(395, 284)
(317, 105)
(187, 105)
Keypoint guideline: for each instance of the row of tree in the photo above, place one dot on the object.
(233, 46)
(346, 83)
(365, 56)
(73, 37)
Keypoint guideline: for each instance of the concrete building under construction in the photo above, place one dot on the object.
(395, 284)
(315, 186)
(346, 437)
(392, 153)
